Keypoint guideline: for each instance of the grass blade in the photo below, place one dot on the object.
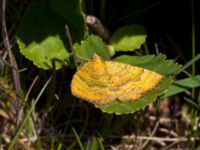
(191, 62)
(182, 85)
(27, 116)
(77, 138)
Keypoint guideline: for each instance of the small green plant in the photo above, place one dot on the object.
(50, 45)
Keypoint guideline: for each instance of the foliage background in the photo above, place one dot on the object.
(59, 121)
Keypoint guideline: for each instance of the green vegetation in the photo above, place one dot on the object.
(38, 60)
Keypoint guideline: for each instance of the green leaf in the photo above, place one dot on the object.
(92, 45)
(41, 36)
(155, 63)
(71, 11)
(130, 107)
(151, 62)
(128, 38)
(182, 85)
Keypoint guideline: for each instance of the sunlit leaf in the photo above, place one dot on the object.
(92, 45)
(41, 36)
(128, 38)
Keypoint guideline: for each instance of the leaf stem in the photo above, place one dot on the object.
(69, 45)
(193, 42)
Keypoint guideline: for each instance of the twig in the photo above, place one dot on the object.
(97, 27)
(153, 132)
(7, 63)
(171, 145)
(156, 48)
(30, 88)
(170, 132)
(69, 45)
(8, 48)
(166, 139)
(12, 61)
